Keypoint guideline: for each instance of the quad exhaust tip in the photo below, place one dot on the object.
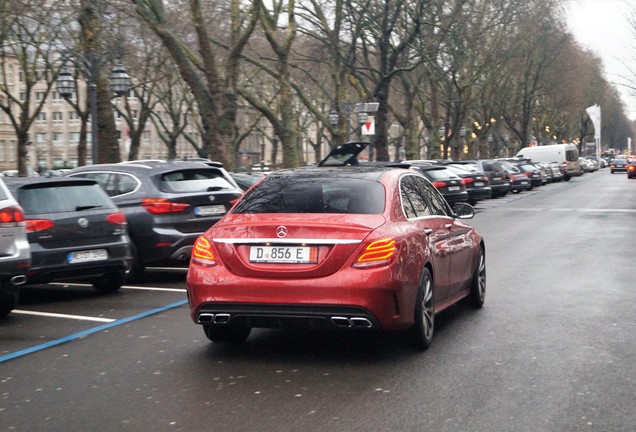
(210, 318)
(351, 322)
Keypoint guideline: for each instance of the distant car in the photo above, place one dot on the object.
(75, 231)
(337, 247)
(519, 182)
(631, 168)
(476, 183)
(167, 205)
(15, 252)
(618, 164)
(245, 180)
(498, 178)
(450, 185)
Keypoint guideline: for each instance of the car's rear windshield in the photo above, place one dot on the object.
(204, 180)
(62, 198)
(290, 194)
(440, 174)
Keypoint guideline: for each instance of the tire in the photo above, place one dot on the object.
(110, 282)
(422, 330)
(8, 301)
(138, 269)
(227, 333)
(611, 171)
(478, 285)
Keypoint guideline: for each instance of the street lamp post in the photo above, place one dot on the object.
(119, 85)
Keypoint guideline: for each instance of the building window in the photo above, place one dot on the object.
(41, 118)
(73, 117)
(2, 144)
(146, 136)
(58, 138)
(73, 137)
(57, 99)
(40, 138)
(58, 118)
(23, 96)
(39, 96)
(11, 151)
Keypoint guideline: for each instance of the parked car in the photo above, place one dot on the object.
(536, 176)
(618, 164)
(167, 205)
(518, 180)
(450, 185)
(15, 253)
(342, 247)
(566, 155)
(498, 177)
(631, 168)
(476, 183)
(245, 180)
(75, 231)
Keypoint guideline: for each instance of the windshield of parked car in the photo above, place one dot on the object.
(47, 198)
(194, 181)
(293, 194)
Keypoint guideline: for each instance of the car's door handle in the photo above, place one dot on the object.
(427, 231)
(448, 226)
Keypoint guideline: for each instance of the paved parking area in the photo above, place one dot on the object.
(52, 314)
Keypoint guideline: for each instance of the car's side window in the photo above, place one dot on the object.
(413, 201)
(438, 203)
(125, 184)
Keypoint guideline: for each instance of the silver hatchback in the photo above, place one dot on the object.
(15, 252)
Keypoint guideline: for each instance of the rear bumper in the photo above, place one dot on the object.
(348, 298)
(53, 264)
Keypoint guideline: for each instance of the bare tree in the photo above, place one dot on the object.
(30, 44)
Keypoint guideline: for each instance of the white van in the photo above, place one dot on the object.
(566, 155)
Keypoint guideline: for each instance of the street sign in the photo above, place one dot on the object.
(368, 128)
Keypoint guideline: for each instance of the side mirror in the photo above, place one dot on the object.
(464, 210)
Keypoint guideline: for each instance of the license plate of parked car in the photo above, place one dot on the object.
(453, 188)
(87, 255)
(284, 254)
(209, 210)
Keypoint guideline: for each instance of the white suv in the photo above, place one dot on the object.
(15, 253)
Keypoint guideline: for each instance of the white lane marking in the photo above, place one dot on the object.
(57, 315)
(181, 290)
(132, 287)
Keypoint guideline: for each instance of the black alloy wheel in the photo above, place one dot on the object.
(422, 330)
(478, 284)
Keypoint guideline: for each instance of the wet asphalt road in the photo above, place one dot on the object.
(552, 349)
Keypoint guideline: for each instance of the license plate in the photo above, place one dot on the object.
(209, 210)
(524, 182)
(453, 188)
(87, 256)
(479, 183)
(496, 178)
(284, 254)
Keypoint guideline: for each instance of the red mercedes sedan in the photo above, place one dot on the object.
(350, 247)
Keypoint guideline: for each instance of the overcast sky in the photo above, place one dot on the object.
(603, 26)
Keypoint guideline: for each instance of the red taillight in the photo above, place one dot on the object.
(36, 225)
(202, 253)
(11, 215)
(528, 174)
(163, 205)
(439, 184)
(116, 218)
(378, 253)
(467, 180)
